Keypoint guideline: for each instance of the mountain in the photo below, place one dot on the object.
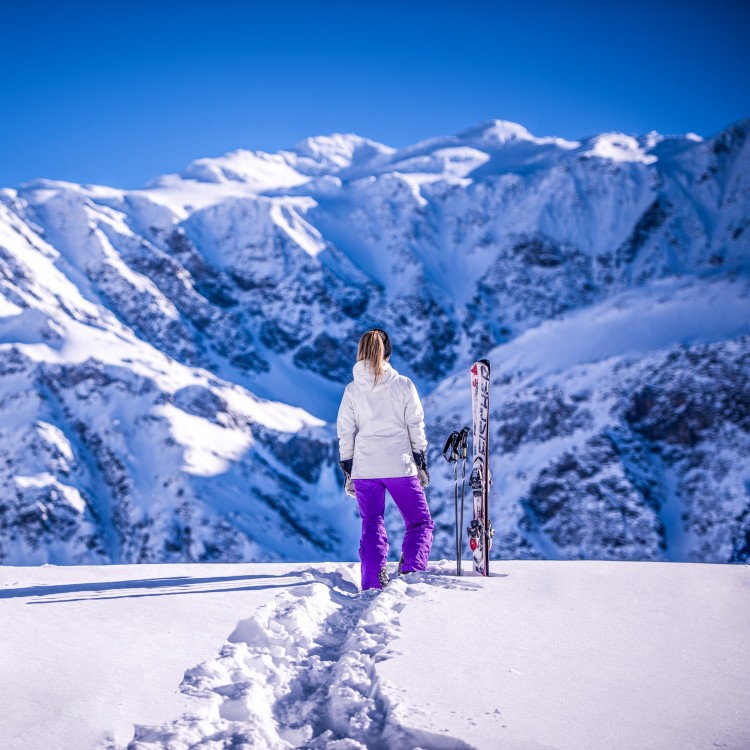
(171, 359)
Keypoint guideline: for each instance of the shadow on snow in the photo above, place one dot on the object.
(183, 585)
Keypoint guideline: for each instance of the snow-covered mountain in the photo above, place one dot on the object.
(171, 358)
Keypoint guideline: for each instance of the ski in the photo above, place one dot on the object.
(480, 530)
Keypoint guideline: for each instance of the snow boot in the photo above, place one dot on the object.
(383, 576)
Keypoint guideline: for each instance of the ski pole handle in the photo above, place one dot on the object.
(451, 445)
(463, 441)
(456, 445)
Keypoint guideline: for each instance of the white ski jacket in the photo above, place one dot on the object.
(379, 426)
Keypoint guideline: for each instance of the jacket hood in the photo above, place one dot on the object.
(364, 377)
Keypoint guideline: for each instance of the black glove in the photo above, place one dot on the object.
(346, 468)
(420, 459)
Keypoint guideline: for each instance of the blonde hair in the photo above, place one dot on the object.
(371, 349)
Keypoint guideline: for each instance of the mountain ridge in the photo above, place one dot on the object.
(232, 287)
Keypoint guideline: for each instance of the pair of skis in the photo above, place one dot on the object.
(480, 529)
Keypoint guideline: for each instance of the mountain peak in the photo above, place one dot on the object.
(243, 166)
(340, 150)
(621, 147)
(496, 133)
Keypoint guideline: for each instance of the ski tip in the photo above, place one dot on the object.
(474, 367)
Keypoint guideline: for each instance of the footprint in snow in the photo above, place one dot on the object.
(301, 673)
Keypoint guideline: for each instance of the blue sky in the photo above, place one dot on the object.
(117, 93)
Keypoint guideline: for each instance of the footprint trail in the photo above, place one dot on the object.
(301, 673)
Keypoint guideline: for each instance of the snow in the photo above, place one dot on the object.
(496, 145)
(139, 282)
(209, 448)
(182, 196)
(656, 316)
(337, 151)
(27, 327)
(258, 170)
(619, 147)
(498, 133)
(587, 655)
(38, 261)
(8, 309)
(461, 160)
(574, 655)
(122, 348)
(300, 231)
(89, 650)
(55, 436)
(66, 493)
(275, 415)
(242, 173)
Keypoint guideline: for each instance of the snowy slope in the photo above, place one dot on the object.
(469, 239)
(114, 451)
(576, 656)
(171, 358)
(619, 431)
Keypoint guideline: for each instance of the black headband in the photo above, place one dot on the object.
(387, 348)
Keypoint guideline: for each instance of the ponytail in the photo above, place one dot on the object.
(374, 348)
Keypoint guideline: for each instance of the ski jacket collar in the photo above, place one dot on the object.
(364, 377)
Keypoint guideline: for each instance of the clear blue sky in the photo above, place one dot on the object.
(118, 92)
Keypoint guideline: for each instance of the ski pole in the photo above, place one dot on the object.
(450, 453)
(463, 442)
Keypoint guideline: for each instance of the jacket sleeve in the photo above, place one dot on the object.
(346, 427)
(414, 415)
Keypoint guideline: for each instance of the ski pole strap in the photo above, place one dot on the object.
(450, 452)
(462, 442)
(456, 445)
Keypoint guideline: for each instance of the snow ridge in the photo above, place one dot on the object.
(301, 673)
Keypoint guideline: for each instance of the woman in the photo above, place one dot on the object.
(382, 447)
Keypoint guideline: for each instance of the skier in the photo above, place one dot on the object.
(382, 446)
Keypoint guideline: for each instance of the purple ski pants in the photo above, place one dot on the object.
(373, 547)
